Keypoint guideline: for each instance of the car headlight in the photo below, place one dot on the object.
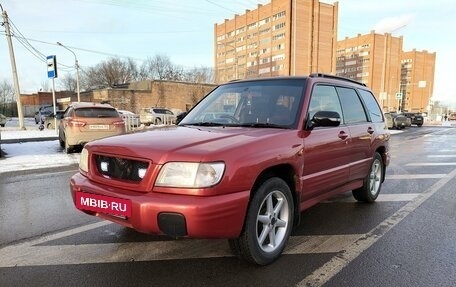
(84, 160)
(190, 174)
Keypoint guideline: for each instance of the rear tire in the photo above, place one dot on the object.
(68, 148)
(372, 183)
(268, 223)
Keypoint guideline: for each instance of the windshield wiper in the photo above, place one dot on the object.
(263, 125)
(205, 124)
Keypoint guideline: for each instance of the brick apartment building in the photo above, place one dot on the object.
(375, 60)
(284, 37)
(417, 80)
(395, 76)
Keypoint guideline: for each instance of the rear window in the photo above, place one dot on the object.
(372, 106)
(163, 111)
(96, 113)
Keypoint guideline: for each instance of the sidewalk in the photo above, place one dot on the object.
(31, 150)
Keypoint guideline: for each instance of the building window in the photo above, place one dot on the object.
(278, 67)
(252, 45)
(264, 31)
(279, 26)
(278, 15)
(265, 41)
(278, 36)
(278, 47)
(252, 25)
(265, 20)
(240, 30)
(278, 57)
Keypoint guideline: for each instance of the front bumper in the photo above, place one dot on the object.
(219, 216)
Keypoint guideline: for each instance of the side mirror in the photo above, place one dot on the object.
(324, 119)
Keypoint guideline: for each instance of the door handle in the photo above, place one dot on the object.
(370, 130)
(343, 135)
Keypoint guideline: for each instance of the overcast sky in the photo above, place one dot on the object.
(184, 30)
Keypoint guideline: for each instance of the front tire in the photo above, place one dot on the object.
(372, 183)
(267, 225)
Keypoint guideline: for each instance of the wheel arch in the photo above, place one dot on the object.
(287, 174)
(382, 151)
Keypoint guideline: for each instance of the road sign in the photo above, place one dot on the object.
(51, 62)
(399, 96)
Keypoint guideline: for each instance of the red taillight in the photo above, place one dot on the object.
(119, 123)
(73, 123)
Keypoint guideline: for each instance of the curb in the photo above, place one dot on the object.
(23, 140)
(4, 176)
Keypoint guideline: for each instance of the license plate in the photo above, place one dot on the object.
(104, 204)
(99, 127)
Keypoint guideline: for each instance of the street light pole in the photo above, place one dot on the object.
(77, 69)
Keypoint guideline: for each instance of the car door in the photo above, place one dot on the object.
(362, 132)
(326, 156)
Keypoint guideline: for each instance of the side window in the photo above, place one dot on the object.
(324, 98)
(372, 106)
(68, 112)
(351, 105)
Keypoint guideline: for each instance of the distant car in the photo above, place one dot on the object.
(42, 113)
(156, 116)
(415, 118)
(131, 119)
(452, 117)
(83, 122)
(49, 120)
(3, 120)
(396, 121)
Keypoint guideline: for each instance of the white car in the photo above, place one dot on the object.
(131, 119)
(157, 116)
(3, 120)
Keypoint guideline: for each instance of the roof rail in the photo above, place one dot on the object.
(322, 75)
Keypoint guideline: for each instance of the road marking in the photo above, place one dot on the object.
(415, 176)
(27, 255)
(431, 164)
(331, 268)
(389, 197)
(441, 155)
(30, 253)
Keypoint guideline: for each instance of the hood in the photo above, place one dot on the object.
(186, 143)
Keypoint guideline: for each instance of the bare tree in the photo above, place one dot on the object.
(45, 86)
(68, 83)
(6, 96)
(200, 75)
(111, 73)
(160, 67)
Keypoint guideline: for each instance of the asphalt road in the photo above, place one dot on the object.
(406, 238)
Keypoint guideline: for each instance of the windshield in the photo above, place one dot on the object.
(272, 103)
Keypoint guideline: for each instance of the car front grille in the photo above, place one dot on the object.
(121, 168)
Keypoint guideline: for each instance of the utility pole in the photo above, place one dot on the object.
(13, 68)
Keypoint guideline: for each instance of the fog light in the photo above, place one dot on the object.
(104, 165)
(142, 172)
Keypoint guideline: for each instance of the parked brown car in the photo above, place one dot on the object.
(83, 122)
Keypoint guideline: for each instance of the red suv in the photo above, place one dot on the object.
(269, 149)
